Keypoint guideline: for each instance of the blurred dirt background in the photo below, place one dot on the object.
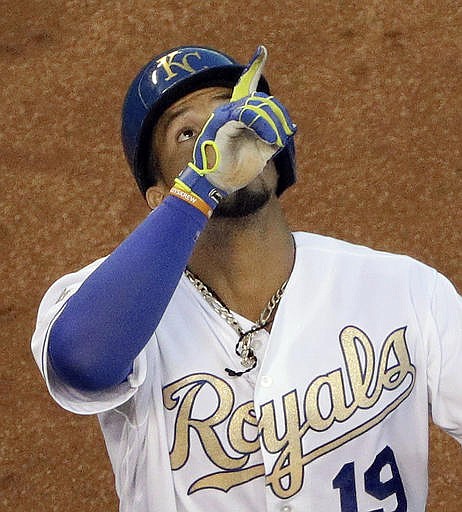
(376, 90)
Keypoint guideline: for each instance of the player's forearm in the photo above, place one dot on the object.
(106, 324)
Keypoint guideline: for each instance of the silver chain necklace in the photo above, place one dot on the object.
(244, 348)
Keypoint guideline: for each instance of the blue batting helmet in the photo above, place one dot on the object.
(164, 80)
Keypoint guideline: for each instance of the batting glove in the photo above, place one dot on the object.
(238, 139)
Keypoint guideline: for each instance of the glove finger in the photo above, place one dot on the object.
(275, 108)
(248, 81)
(261, 123)
(269, 120)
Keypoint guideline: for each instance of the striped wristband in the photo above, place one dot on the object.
(192, 199)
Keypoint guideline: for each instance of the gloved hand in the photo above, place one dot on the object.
(239, 138)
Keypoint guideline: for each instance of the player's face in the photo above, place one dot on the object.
(178, 127)
(173, 143)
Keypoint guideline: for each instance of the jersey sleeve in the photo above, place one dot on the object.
(445, 358)
(108, 322)
(71, 399)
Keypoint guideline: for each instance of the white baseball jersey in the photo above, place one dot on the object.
(335, 416)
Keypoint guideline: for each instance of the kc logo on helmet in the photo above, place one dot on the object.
(175, 62)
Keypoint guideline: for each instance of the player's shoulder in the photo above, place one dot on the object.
(322, 246)
(67, 284)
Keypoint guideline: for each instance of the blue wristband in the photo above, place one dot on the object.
(201, 186)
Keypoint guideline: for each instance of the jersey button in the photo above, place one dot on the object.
(286, 508)
(266, 381)
(257, 344)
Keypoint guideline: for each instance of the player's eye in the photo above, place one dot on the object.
(186, 134)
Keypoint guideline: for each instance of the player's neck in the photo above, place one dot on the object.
(245, 261)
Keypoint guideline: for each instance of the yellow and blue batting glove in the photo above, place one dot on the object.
(261, 113)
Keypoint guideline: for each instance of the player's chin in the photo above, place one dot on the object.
(243, 202)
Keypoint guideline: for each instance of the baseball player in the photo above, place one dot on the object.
(234, 365)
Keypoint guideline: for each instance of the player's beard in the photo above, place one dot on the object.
(243, 202)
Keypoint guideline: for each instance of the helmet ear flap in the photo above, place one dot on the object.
(164, 80)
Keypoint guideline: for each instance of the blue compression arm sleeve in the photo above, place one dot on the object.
(106, 324)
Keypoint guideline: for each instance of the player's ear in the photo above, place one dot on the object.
(156, 194)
